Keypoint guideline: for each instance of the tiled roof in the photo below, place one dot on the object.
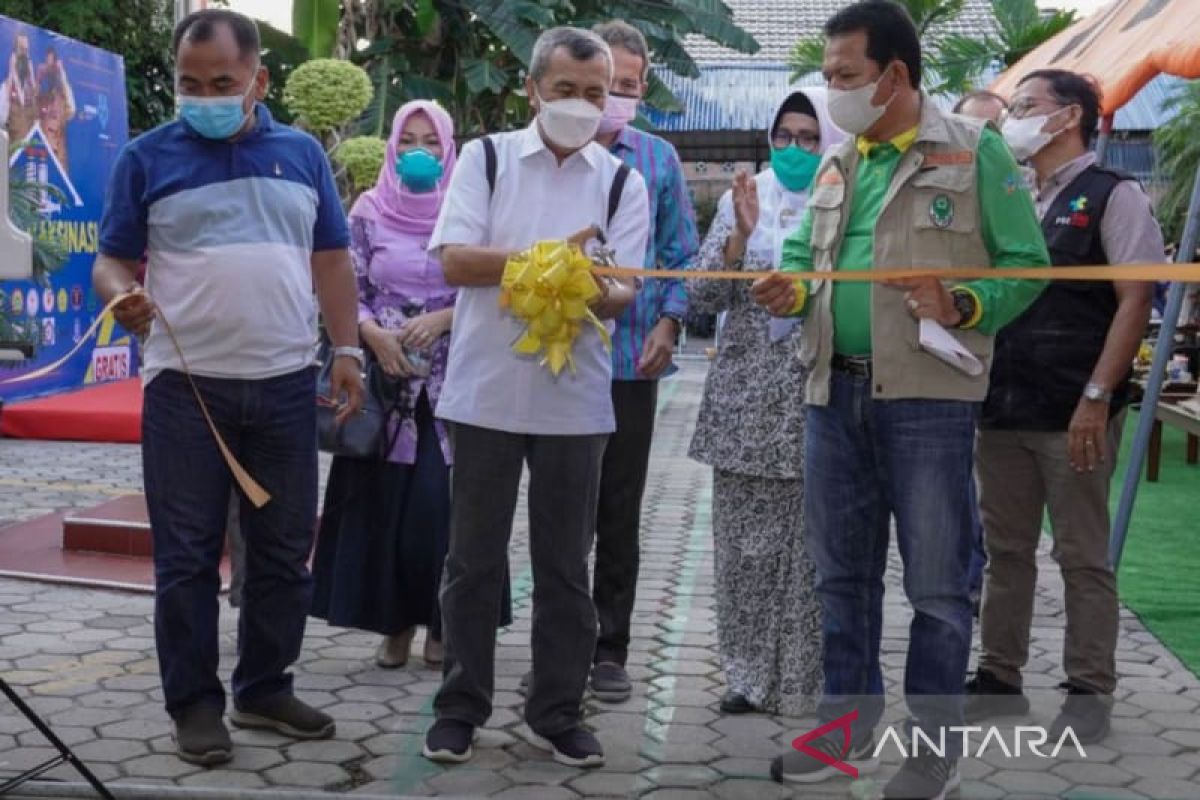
(779, 24)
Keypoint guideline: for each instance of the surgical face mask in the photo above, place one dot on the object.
(570, 123)
(851, 109)
(214, 117)
(619, 111)
(1025, 136)
(794, 167)
(419, 170)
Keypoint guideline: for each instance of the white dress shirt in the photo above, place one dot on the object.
(536, 198)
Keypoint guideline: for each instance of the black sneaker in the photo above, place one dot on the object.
(576, 747)
(988, 697)
(201, 736)
(797, 767)
(925, 776)
(610, 682)
(448, 741)
(1085, 712)
(285, 714)
(736, 703)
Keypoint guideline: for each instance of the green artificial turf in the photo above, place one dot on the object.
(1160, 569)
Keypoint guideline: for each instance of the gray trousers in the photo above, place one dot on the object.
(1022, 475)
(564, 480)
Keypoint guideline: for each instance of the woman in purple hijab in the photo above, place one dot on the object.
(385, 526)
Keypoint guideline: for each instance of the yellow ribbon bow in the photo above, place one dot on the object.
(548, 287)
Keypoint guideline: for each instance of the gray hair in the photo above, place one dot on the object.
(582, 45)
(619, 33)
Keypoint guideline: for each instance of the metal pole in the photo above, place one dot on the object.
(1162, 354)
(1106, 129)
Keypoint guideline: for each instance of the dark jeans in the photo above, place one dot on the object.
(867, 461)
(619, 515)
(270, 425)
(564, 478)
(978, 554)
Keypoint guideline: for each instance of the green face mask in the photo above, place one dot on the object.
(794, 167)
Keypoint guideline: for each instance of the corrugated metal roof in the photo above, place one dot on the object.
(742, 96)
(778, 24)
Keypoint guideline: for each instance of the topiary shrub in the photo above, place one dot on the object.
(326, 93)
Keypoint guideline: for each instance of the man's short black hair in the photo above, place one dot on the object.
(201, 26)
(891, 34)
(981, 95)
(1071, 88)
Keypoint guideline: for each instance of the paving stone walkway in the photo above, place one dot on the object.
(85, 660)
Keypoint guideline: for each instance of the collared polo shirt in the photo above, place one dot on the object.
(229, 229)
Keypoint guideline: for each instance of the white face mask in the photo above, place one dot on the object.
(851, 109)
(570, 123)
(1025, 136)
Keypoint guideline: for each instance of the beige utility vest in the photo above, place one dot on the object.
(930, 219)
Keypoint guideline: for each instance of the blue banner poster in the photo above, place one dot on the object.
(63, 106)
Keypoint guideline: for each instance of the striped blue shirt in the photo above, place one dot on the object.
(228, 229)
(673, 242)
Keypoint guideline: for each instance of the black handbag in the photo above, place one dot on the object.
(363, 435)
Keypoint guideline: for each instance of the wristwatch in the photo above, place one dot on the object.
(1097, 393)
(351, 352)
(964, 304)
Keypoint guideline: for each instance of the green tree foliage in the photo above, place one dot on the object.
(1022, 28)
(139, 30)
(470, 55)
(1178, 157)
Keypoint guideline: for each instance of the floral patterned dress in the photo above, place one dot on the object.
(751, 431)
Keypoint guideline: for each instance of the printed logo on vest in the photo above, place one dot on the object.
(1078, 218)
(941, 211)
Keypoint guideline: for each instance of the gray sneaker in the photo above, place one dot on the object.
(610, 682)
(201, 736)
(287, 715)
(925, 776)
(795, 766)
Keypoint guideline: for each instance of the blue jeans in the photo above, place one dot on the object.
(270, 425)
(867, 461)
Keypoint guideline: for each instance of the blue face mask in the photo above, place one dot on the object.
(214, 117)
(419, 170)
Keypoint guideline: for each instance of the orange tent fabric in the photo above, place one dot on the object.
(1123, 45)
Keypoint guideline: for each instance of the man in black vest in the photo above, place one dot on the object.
(1052, 421)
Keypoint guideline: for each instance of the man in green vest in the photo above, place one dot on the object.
(890, 425)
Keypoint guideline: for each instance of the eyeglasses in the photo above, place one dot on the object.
(1028, 107)
(805, 140)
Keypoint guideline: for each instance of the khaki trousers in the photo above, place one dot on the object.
(1021, 475)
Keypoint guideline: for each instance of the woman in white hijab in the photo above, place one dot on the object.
(751, 431)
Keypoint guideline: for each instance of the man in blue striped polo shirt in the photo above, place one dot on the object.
(239, 219)
(642, 346)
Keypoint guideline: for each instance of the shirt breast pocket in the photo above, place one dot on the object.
(826, 203)
(945, 216)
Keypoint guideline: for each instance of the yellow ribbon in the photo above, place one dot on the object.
(256, 494)
(548, 287)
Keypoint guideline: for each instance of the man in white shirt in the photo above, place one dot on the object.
(548, 181)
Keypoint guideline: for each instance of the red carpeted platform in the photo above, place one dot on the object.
(107, 412)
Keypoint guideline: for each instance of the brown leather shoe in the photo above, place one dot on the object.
(393, 650)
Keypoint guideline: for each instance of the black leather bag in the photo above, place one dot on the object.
(364, 435)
